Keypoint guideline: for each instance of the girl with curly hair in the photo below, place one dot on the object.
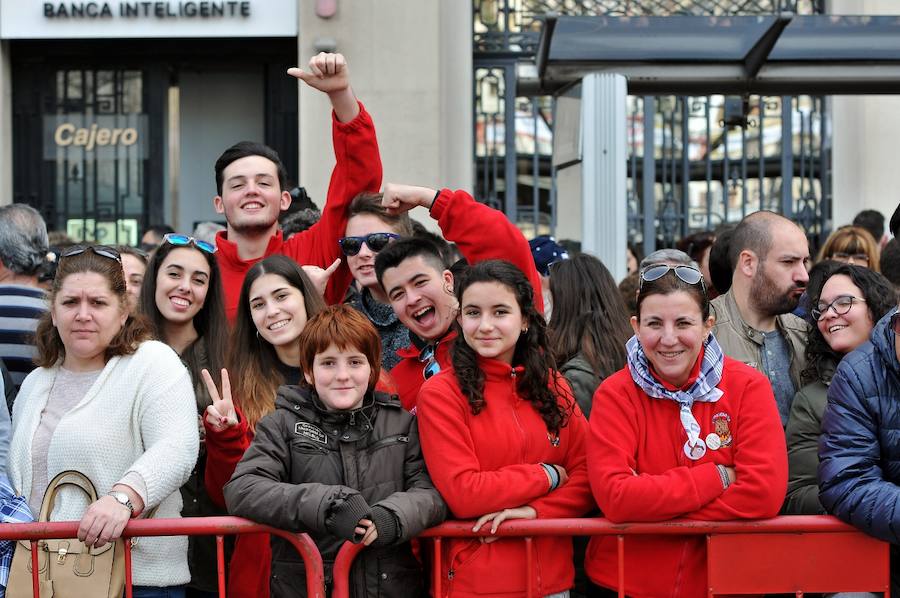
(503, 438)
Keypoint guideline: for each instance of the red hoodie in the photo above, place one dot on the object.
(357, 169)
(491, 461)
(639, 472)
(481, 233)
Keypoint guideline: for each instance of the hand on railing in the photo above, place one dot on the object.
(499, 517)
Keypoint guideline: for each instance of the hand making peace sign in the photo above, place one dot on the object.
(221, 415)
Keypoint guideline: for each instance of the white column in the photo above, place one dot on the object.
(603, 173)
(6, 182)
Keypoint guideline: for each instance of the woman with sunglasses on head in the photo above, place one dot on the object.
(107, 402)
(847, 301)
(686, 432)
(182, 297)
(503, 439)
(370, 228)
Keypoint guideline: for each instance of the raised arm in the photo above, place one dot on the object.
(357, 169)
(479, 231)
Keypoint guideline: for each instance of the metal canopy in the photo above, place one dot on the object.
(776, 55)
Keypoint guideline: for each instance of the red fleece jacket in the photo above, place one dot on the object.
(639, 472)
(491, 461)
(481, 233)
(357, 169)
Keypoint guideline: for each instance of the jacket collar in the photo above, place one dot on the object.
(352, 424)
(228, 251)
(732, 311)
(882, 339)
(496, 370)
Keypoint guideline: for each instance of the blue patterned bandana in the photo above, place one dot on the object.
(703, 389)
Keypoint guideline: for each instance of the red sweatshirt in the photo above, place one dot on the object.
(481, 233)
(491, 461)
(357, 169)
(639, 472)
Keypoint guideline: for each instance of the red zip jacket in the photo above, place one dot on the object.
(357, 169)
(639, 472)
(481, 233)
(490, 462)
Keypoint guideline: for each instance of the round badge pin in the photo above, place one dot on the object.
(713, 441)
(694, 452)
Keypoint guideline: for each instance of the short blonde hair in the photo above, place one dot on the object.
(850, 240)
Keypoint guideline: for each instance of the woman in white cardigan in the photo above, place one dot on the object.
(110, 403)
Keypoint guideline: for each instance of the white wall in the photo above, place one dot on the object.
(866, 130)
(215, 124)
(411, 65)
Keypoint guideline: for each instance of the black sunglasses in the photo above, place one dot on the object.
(375, 241)
(101, 250)
(687, 274)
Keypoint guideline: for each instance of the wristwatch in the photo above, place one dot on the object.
(122, 499)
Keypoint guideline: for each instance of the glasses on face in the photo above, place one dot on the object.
(428, 357)
(840, 306)
(859, 258)
(185, 240)
(375, 241)
(101, 250)
(895, 323)
(687, 274)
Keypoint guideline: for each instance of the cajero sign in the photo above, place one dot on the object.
(77, 136)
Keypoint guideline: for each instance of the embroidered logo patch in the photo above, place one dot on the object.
(310, 431)
(720, 424)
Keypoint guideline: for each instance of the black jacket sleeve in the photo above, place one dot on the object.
(261, 488)
(420, 506)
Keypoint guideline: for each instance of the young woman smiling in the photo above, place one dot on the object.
(685, 432)
(503, 438)
(182, 297)
(846, 304)
(276, 300)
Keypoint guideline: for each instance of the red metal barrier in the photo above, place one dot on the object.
(794, 554)
(190, 526)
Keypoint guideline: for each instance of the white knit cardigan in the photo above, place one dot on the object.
(140, 415)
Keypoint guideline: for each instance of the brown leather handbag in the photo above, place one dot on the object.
(67, 568)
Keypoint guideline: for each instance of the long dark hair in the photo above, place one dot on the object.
(880, 298)
(588, 316)
(532, 349)
(253, 362)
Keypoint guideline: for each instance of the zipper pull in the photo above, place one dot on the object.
(450, 574)
(353, 418)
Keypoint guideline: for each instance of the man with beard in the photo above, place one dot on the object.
(250, 181)
(754, 323)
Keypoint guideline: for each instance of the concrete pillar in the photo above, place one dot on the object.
(6, 182)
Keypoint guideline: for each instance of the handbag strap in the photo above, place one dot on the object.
(65, 478)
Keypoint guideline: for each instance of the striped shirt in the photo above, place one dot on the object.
(20, 309)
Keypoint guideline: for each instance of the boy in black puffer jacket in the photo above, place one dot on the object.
(341, 462)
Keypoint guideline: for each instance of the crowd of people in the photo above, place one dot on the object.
(365, 379)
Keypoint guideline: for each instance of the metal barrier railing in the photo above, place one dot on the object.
(793, 554)
(193, 526)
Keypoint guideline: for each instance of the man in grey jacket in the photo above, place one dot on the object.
(754, 323)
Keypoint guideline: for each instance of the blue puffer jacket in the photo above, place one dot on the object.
(859, 449)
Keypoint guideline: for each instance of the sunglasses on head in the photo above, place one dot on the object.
(686, 274)
(101, 250)
(375, 241)
(185, 241)
(427, 356)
